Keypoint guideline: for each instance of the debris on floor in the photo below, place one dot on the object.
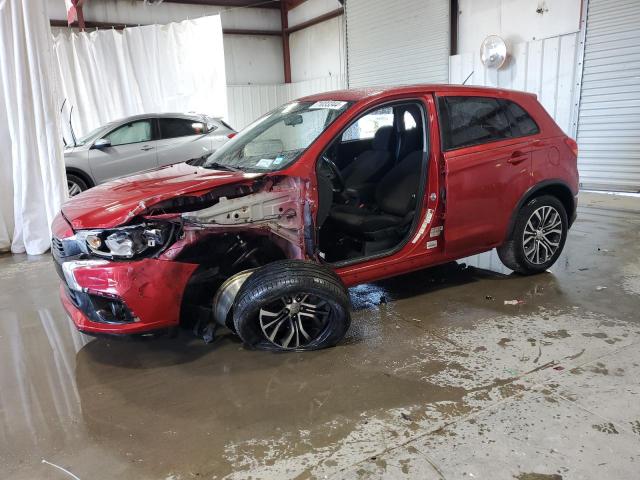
(62, 469)
(513, 302)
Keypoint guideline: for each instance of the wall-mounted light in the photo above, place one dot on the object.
(493, 52)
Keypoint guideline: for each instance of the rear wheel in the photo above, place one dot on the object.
(537, 238)
(292, 305)
(75, 184)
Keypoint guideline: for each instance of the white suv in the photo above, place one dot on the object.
(139, 143)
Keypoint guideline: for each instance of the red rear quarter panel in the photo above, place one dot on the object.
(556, 161)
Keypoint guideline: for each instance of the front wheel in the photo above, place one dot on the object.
(292, 305)
(538, 236)
(75, 184)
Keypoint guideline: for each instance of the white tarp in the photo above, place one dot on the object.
(104, 75)
(110, 74)
(32, 180)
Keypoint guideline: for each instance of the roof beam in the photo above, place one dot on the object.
(231, 3)
(120, 26)
(291, 4)
(314, 21)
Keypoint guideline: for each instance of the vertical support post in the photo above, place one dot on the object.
(80, 18)
(286, 54)
(78, 13)
(577, 81)
(453, 18)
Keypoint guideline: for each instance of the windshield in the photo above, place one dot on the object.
(89, 137)
(278, 139)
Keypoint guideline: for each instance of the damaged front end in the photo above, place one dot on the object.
(235, 232)
(180, 260)
(274, 208)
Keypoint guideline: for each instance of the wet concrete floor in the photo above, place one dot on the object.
(437, 378)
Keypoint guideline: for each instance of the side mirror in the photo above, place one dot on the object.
(102, 143)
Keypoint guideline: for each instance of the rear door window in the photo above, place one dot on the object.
(521, 122)
(467, 121)
(180, 127)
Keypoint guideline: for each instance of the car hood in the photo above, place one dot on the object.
(117, 202)
(76, 148)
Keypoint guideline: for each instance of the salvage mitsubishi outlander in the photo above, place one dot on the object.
(265, 235)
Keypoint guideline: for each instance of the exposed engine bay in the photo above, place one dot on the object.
(239, 228)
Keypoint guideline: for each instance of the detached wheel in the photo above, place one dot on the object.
(537, 238)
(75, 184)
(292, 305)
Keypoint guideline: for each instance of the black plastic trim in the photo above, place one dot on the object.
(556, 182)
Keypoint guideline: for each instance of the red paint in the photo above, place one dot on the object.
(484, 185)
(109, 204)
(155, 302)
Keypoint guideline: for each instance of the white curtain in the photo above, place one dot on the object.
(109, 74)
(32, 179)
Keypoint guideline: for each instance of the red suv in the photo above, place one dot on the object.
(329, 191)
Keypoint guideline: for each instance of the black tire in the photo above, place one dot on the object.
(512, 253)
(75, 180)
(289, 285)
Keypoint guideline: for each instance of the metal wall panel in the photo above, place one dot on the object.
(246, 103)
(544, 67)
(395, 42)
(609, 118)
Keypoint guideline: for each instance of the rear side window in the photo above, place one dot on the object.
(522, 124)
(467, 121)
(180, 127)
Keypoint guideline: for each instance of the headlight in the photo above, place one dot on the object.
(126, 242)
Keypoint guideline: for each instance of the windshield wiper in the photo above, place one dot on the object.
(222, 166)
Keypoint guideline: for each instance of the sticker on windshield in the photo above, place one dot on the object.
(264, 163)
(278, 160)
(329, 104)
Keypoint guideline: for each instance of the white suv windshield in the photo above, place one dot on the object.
(93, 134)
(276, 140)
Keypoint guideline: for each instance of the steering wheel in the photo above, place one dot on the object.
(336, 179)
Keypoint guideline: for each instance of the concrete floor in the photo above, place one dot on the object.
(442, 381)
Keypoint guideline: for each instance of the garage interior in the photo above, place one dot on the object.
(465, 370)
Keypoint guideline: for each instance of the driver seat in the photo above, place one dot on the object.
(396, 201)
(370, 164)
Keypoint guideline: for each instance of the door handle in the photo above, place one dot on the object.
(146, 147)
(517, 157)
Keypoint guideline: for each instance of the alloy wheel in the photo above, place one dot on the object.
(74, 188)
(542, 235)
(294, 322)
